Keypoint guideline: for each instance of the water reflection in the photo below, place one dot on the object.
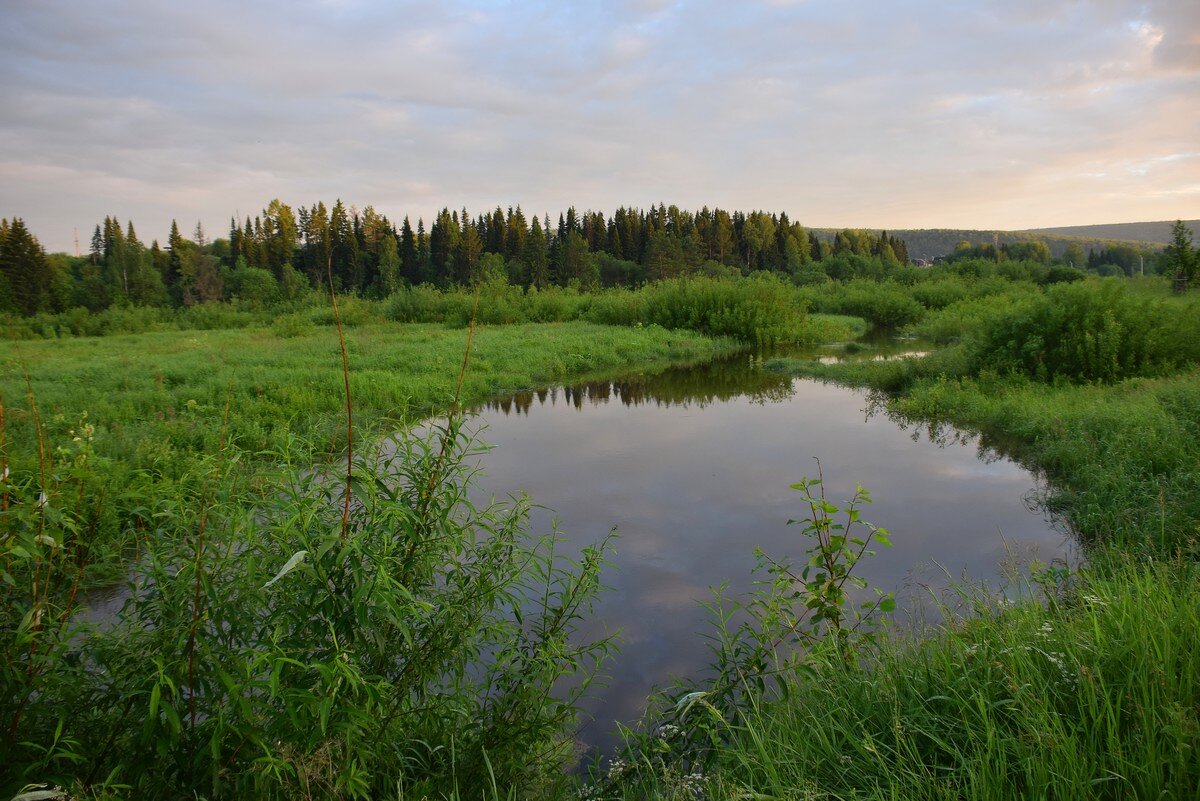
(693, 466)
(723, 380)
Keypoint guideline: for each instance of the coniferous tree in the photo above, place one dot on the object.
(26, 275)
(409, 269)
(389, 278)
(175, 256)
(424, 263)
(536, 258)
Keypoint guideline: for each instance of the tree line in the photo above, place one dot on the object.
(282, 252)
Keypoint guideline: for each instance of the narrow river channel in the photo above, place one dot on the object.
(692, 467)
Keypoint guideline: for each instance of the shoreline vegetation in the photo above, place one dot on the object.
(274, 648)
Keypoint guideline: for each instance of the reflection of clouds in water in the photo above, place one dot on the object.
(694, 490)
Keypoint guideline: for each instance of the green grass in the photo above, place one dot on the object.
(821, 329)
(157, 400)
(166, 392)
(1091, 696)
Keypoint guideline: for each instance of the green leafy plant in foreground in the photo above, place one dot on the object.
(801, 617)
(267, 650)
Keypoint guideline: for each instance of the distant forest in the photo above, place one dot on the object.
(282, 253)
(931, 243)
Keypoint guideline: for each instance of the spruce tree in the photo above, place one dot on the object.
(23, 265)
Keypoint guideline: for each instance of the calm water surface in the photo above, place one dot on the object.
(692, 467)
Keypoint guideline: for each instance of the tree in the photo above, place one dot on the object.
(535, 256)
(24, 268)
(389, 266)
(199, 278)
(175, 250)
(282, 234)
(575, 263)
(1073, 255)
(1178, 256)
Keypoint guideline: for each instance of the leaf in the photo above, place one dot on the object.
(288, 567)
(40, 795)
(887, 605)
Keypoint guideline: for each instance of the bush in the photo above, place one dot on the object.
(273, 649)
(761, 309)
(884, 304)
(1088, 332)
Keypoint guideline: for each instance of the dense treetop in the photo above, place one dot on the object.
(283, 252)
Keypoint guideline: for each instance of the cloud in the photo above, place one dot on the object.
(998, 114)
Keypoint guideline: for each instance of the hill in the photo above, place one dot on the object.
(1156, 232)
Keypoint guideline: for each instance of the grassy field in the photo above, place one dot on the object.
(1088, 688)
(158, 395)
(154, 404)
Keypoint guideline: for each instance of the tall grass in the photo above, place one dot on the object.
(1092, 696)
(266, 651)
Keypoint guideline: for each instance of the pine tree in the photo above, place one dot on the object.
(175, 255)
(25, 272)
(535, 256)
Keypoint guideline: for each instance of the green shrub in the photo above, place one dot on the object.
(272, 648)
(761, 309)
(884, 304)
(1088, 332)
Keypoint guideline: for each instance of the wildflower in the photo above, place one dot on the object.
(668, 730)
(1092, 600)
(4, 475)
(42, 500)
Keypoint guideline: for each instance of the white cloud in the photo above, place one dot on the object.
(1000, 114)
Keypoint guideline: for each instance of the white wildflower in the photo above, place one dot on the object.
(42, 500)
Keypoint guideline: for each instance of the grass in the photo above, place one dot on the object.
(157, 401)
(1090, 691)
(1093, 695)
(830, 328)
(167, 391)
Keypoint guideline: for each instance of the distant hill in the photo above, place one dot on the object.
(1156, 232)
(928, 243)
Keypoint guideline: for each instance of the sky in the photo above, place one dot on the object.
(969, 114)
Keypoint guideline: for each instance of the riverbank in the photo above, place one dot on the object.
(1088, 689)
(154, 405)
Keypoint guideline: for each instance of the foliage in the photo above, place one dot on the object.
(270, 649)
(762, 310)
(1090, 696)
(884, 304)
(1088, 333)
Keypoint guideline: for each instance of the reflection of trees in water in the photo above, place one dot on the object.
(693, 386)
(988, 449)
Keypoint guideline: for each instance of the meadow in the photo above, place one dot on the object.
(369, 632)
